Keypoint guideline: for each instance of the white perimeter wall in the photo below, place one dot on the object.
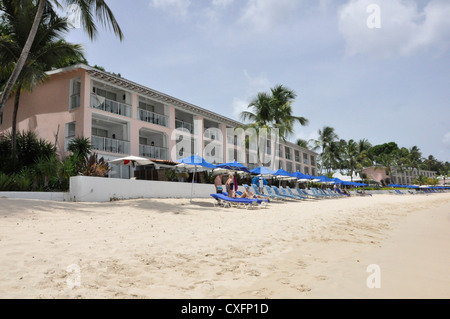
(97, 189)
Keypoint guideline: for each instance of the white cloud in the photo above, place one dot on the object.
(254, 85)
(404, 28)
(446, 140)
(174, 7)
(222, 3)
(262, 15)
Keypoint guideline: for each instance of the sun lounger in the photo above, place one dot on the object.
(317, 192)
(285, 192)
(278, 193)
(237, 202)
(342, 193)
(256, 190)
(261, 201)
(272, 194)
(329, 191)
(399, 192)
(308, 194)
(290, 192)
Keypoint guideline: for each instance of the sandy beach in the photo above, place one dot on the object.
(171, 248)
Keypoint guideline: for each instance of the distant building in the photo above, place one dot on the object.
(406, 177)
(121, 118)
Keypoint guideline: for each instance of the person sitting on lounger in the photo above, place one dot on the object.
(248, 194)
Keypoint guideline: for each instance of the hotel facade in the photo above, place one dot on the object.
(122, 118)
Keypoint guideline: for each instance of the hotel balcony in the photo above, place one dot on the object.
(110, 145)
(109, 135)
(184, 125)
(152, 117)
(153, 152)
(104, 104)
(153, 144)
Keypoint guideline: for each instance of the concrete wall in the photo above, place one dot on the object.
(37, 195)
(97, 189)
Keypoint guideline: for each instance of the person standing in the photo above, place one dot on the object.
(218, 184)
(230, 185)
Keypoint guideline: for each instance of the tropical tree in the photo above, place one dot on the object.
(281, 107)
(273, 111)
(327, 143)
(48, 50)
(387, 162)
(303, 143)
(88, 10)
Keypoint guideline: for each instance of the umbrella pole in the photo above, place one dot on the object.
(192, 184)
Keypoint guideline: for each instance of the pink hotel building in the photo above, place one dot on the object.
(124, 118)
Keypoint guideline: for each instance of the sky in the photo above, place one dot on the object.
(372, 69)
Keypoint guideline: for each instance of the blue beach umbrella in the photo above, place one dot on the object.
(262, 170)
(194, 161)
(233, 166)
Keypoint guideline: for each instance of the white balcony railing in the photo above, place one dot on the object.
(153, 152)
(181, 124)
(101, 103)
(110, 145)
(151, 117)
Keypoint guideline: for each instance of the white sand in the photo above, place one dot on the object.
(169, 248)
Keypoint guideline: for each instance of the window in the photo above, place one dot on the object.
(287, 152)
(99, 132)
(289, 167)
(297, 157)
(75, 93)
(307, 170)
(298, 168)
(70, 133)
(305, 158)
(106, 94)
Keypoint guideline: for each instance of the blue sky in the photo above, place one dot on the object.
(376, 72)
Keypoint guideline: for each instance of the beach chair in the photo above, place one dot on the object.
(256, 190)
(308, 194)
(285, 192)
(278, 193)
(289, 190)
(272, 194)
(362, 193)
(329, 191)
(399, 192)
(317, 192)
(340, 192)
(261, 201)
(237, 202)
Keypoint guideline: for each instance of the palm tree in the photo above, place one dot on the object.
(88, 9)
(351, 154)
(326, 142)
(273, 111)
(303, 143)
(281, 107)
(387, 162)
(48, 51)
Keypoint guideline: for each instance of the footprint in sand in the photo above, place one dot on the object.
(321, 277)
(302, 288)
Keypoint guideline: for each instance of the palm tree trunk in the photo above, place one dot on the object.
(24, 55)
(14, 123)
